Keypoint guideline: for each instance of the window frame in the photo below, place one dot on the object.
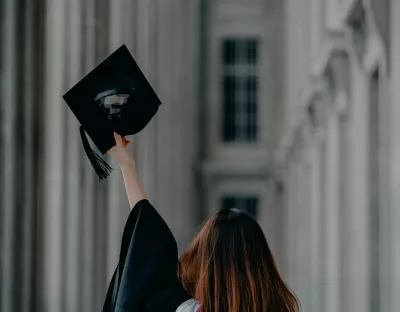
(242, 119)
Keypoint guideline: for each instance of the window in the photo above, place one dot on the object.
(239, 90)
(245, 203)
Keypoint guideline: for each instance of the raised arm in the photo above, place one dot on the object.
(124, 159)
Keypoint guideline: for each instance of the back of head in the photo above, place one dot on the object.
(229, 267)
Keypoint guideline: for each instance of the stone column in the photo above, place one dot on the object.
(340, 78)
(170, 87)
(296, 211)
(358, 265)
(288, 223)
(73, 206)
(118, 206)
(395, 156)
(189, 120)
(164, 88)
(292, 227)
(104, 212)
(145, 153)
(8, 118)
(303, 244)
(88, 177)
(315, 226)
(54, 153)
(285, 232)
(27, 169)
(322, 219)
(332, 248)
(179, 116)
(176, 126)
(122, 28)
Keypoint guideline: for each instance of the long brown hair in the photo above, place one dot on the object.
(229, 267)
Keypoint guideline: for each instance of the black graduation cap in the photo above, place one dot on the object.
(114, 97)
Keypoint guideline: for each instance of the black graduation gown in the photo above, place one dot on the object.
(145, 279)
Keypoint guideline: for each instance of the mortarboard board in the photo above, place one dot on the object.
(114, 97)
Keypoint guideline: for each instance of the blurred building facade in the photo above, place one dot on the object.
(285, 109)
(338, 157)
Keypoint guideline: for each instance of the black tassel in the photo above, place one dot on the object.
(102, 169)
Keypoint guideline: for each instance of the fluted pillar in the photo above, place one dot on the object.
(88, 208)
(395, 156)
(176, 122)
(292, 226)
(187, 136)
(145, 141)
(122, 30)
(102, 226)
(358, 215)
(8, 118)
(165, 148)
(115, 184)
(26, 174)
(74, 163)
(332, 248)
(303, 228)
(316, 228)
(54, 154)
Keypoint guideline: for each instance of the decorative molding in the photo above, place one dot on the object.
(328, 72)
(338, 68)
(367, 40)
(374, 52)
(348, 8)
(358, 25)
(225, 168)
(299, 117)
(334, 42)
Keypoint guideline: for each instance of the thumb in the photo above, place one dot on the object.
(118, 139)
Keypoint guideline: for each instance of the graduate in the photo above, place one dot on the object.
(228, 267)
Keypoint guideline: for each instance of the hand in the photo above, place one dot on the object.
(120, 151)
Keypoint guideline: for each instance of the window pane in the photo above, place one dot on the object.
(228, 56)
(251, 93)
(229, 108)
(252, 51)
(245, 203)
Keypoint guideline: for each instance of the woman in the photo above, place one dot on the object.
(227, 267)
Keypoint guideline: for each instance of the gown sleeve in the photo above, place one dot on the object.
(145, 278)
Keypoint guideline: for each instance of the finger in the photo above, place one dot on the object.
(118, 139)
(126, 140)
(127, 143)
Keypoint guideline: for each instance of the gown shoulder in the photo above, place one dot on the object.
(145, 278)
